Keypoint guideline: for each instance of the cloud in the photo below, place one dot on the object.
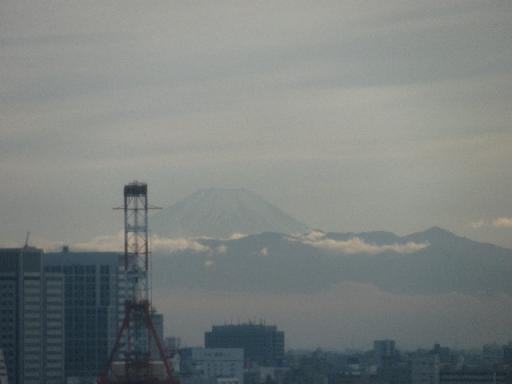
(477, 224)
(110, 243)
(174, 245)
(114, 243)
(313, 235)
(503, 222)
(237, 236)
(221, 249)
(500, 222)
(356, 245)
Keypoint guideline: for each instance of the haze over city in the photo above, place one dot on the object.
(317, 119)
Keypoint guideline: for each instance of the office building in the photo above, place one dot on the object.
(211, 365)
(31, 318)
(263, 345)
(93, 305)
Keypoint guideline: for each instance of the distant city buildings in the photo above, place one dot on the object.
(212, 365)
(475, 375)
(172, 344)
(425, 368)
(507, 354)
(390, 369)
(492, 354)
(438, 365)
(263, 345)
(31, 318)
(385, 352)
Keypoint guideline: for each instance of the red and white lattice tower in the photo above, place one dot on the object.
(130, 361)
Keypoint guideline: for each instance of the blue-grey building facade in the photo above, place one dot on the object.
(92, 297)
(31, 318)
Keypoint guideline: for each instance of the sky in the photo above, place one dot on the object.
(349, 115)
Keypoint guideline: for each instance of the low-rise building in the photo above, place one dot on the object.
(212, 365)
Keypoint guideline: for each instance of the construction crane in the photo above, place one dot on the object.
(131, 360)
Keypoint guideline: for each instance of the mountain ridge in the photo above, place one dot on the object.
(433, 261)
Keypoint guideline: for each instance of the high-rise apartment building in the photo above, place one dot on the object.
(93, 302)
(31, 318)
(262, 344)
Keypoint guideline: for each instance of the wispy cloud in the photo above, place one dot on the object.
(477, 224)
(237, 236)
(111, 243)
(174, 245)
(221, 249)
(114, 243)
(356, 245)
(500, 222)
(503, 222)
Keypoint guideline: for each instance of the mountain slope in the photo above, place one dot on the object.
(433, 261)
(220, 213)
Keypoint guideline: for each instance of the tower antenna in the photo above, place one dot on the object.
(130, 361)
(27, 236)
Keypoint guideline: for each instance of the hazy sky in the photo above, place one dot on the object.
(349, 115)
(349, 315)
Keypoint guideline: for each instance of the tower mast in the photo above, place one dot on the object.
(130, 361)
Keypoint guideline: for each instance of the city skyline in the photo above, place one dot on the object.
(337, 168)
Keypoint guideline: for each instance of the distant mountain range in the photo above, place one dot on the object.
(221, 212)
(433, 261)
